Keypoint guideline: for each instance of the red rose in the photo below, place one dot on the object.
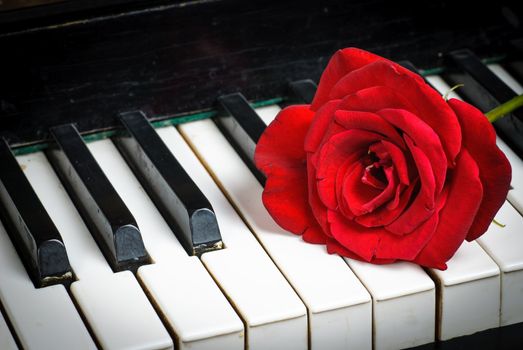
(380, 167)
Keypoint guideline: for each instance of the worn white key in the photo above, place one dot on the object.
(404, 299)
(506, 78)
(338, 305)
(188, 299)
(515, 195)
(114, 305)
(504, 245)
(268, 113)
(471, 270)
(7, 341)
(43, 319)
(469, 293)
(273, 314)
(439, 84)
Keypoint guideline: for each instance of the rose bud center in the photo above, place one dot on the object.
(377, 182)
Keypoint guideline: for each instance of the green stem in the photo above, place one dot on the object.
(505, 108)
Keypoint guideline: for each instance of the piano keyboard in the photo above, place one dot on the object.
(266, 289)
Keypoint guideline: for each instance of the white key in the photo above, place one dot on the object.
(114, 305)
(268, 113)
(6, 339)
(506, 78)
(439, 84)
(333, 295)
(515, 195)
(404, 299)
(273, 314)
(182, 290)
(472, 271)
(469, 293)
(43, 319)
(504, 246)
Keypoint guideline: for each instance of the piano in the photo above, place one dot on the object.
(130, 212)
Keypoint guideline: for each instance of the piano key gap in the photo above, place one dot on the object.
(84, 319)
(10, 326)
(238, 211)
(232, 303)
(159, 312)
(439, 305)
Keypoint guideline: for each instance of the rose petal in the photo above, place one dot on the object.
(399, 161)
(333, 247)
(457, 216)
(479, 139)
(355, 194)
(369, 122)
(286, 198)
(407, 247)
(360, 240)
(363, 199)
(370, 244)
(345, 169)
(424, 137)
(281, 145)
(342, 146)
(343, 62)
(429, 104)
(423, 205)
(373, 99)
(319, 210)
(387, 214)
(319, 125)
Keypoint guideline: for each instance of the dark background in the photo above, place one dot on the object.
(84, 61)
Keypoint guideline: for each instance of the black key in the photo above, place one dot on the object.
(106, 215)
(409, 65)
(182, 204)
(486, 91)
(515, 61)
(302, 91)
(32, 231)
(242, 127)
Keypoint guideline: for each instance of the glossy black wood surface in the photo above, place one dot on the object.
(182, 204)
(302, 91)
(178, 59)
(485, 90)
(242, 127)
(109, 220)
(33, 233)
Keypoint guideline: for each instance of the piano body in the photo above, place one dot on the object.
(118, 235)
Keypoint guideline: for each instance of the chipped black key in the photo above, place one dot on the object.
(302, 91)
(486, 91)
(32, 231)
(242, 127)
(182, 204)
(106, 215)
